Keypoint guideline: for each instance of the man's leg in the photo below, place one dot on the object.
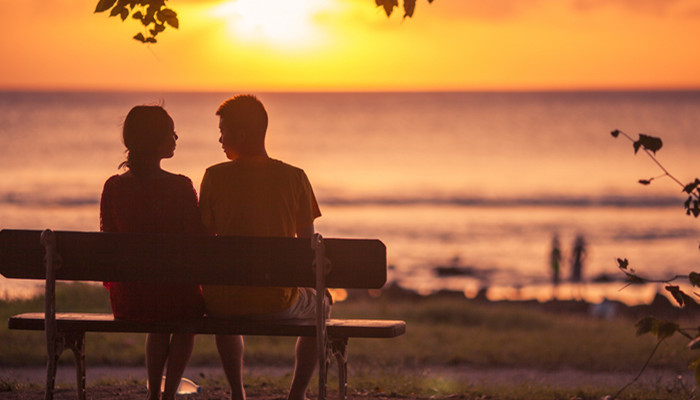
(306, 357)
(231, 352)
(306, 349)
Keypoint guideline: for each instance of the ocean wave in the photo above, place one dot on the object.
(535, 201)
(48, 200)
(68, 200)
(651, 235)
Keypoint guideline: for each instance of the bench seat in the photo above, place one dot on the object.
(102, 322)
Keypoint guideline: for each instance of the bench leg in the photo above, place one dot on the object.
(51, 375)
(323, 377)
(338, 348)
(74, 341)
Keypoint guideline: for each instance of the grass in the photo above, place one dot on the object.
(440, 332)
(453, 332)
(416, 385)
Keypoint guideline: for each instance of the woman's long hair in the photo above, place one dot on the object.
(145, 129)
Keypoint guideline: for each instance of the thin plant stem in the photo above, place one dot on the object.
(651, 155)
(644, 367)
(653, 158)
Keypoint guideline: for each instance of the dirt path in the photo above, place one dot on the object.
(101, 380)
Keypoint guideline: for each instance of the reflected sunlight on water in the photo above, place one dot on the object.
(470, 180)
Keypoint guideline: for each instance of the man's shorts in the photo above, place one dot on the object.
(303, 308)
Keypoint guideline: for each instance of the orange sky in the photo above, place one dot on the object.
(351, 45)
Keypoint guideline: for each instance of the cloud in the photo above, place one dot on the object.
(655, 7)
(506, 10)
(484, 10)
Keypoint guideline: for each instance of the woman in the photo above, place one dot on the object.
(148, 199)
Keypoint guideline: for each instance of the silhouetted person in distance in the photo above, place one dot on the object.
(578, 256)
(148, 199)
(255, 195)
(555, 258)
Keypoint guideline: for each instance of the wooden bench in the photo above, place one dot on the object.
(247, 261)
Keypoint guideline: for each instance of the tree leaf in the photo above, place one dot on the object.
(173, 21)
(650, 143)
(115, 11)
(104, 5)
(665, 329)
(615, 133)
(622, 263)
(409, 6)
(646, 181)
(124, 14)
(140, 38)
(681, 298)
(694, 278)
(137, 15)
(644, 325)
(696, 208)
(691, 186)
(158, 28)
(150, 14)
(658, 327)
(166, 13)
(388, 5)
(151, 40)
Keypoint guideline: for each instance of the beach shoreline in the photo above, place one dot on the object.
(659, 306)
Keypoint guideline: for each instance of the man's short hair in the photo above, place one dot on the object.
(245, 112)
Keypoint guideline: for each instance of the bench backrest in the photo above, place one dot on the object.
(170, 258)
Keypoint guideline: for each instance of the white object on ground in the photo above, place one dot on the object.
(186, 386)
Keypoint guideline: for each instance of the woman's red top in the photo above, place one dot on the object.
(163, 204)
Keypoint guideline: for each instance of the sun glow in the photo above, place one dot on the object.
(278, 22)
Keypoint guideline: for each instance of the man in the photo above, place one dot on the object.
(255, 195)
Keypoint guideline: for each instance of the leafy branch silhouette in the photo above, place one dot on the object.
(155, 16)
(409, 6)
(651, 145)
(660, 328)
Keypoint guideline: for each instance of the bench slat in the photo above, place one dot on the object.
(102, 322)
(168, 258)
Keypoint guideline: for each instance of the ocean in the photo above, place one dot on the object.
(473, 185)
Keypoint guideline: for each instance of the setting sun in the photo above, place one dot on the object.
(275, 22)
(330, 45)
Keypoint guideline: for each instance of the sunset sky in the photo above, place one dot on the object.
(329, 45)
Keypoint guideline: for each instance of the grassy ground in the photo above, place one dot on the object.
(441, 333)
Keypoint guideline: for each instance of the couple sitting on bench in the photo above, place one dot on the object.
(251, 195)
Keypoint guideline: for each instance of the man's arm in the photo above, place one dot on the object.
(205, 211)
(306, 232)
